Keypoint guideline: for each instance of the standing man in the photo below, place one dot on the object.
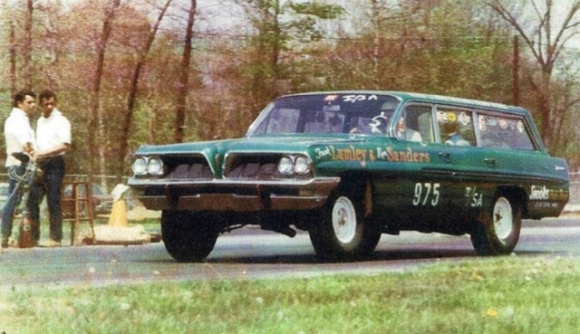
(19, 137)
(53, 139)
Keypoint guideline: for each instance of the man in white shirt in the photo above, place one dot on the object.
(19, 137)
(53, 139)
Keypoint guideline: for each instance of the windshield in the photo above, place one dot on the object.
(326, 113)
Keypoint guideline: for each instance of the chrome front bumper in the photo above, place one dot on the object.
(221, 195)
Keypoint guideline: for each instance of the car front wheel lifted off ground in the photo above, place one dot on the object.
(188, 237)
(343, 233)
(497, 233)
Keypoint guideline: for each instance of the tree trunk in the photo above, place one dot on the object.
(12, 59)
(28, 44)
(376, 22)
(128, 119)
(95, 117)
(184, 77)
(546, 109)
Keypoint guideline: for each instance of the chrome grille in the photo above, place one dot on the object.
(188, 171)
(254, 171)
(261, 167)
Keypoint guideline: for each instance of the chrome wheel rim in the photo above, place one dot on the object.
(503, 219)
(344, 220)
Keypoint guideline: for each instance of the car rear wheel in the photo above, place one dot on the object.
(497, 232)
(343, 233)
(188, 236)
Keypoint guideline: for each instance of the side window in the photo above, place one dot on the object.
(416, 124)
(502, 132)
(456, 127)
(374, 120)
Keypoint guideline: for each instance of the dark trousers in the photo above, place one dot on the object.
(13, 201)
(50, 184)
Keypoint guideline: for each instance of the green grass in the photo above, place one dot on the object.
(490, 295)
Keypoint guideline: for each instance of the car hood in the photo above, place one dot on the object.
(278, 143)
(327, 152)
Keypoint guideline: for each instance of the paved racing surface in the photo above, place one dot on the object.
(257, 254)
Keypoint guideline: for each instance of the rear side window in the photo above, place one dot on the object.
(456, 127)
(502, 132)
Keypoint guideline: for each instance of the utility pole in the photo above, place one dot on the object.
(516, 71)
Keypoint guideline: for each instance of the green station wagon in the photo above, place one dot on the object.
(347, 166)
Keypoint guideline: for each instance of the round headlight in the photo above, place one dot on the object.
(301, 165)
(285, 166)
(139, 166)
(155, 166)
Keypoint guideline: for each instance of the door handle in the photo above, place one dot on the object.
(491, 162)
(445, 156)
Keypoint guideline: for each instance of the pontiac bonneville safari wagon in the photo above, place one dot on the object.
(347, 166)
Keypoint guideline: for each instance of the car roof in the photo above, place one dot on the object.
(430, 98)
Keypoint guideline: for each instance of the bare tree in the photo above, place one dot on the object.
(12, 47)
(21, 42)
(28, 43)
(278, 27)
(546, 41)
(132, 97)
(49, 38)
(94, 119)
(184, 76)
(382, 15)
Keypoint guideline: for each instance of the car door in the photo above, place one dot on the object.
(459, 167)
(417, 193)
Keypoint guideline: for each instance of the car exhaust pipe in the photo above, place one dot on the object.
(286, 230)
